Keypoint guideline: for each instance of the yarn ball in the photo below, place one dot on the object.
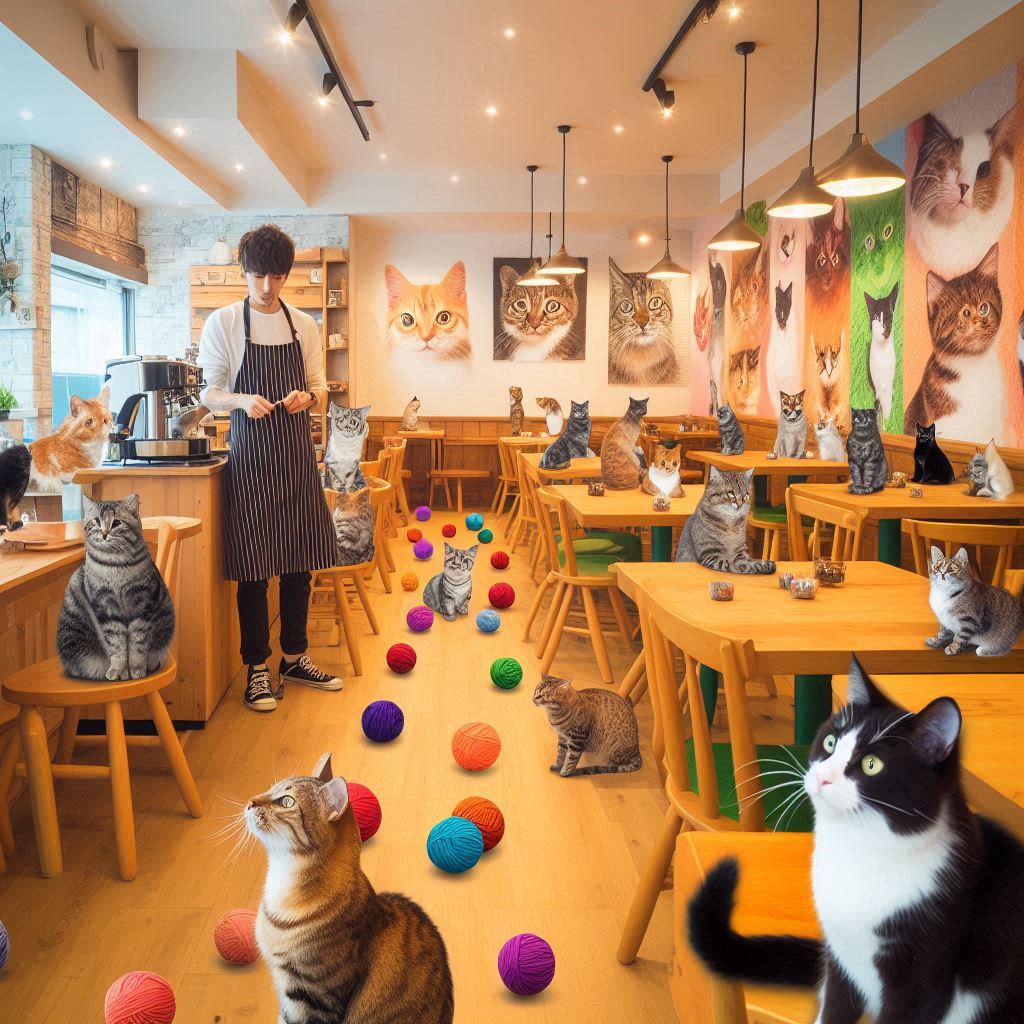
(454, 845)
(422, 513)
(526, 964)
(488, 621)
(235, 937)
(506, 673)
(474, 521)
(401, 658)
(476, 746)
(448, 530)
(501, 595)
(366, 807)
(140, 997)
(412, 534)
(5, 945)
(485, 536)
(499, 560)
(383, 721)
(420, 618)
(410, 581)
(423, 549)
(485, 815)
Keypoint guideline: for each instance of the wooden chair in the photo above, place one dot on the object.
(8, 757)
(401, 474)
(45, 685)
(772, 530)
(383, 560)
(1003, 541)
(442, 477)
(508, 482)
(847, 529)
(523, 526)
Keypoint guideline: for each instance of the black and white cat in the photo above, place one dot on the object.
(882, 353)
(921, 902)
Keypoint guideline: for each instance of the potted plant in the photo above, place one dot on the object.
(7, 402)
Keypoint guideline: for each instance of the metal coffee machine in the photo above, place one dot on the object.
(156, 408)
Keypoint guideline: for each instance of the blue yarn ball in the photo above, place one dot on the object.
(455, 845)
(488, 620)
(383, 721)
(474, 521)
(5, 945)
(422, 513)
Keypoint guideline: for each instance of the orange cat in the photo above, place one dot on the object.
(428, 320)
(76, 444)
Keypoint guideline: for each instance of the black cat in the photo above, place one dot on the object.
(15, 469)
(930, 463)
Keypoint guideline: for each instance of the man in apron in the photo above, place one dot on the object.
(263, 362)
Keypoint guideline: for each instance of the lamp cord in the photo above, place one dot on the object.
(666, 205)
(814, 89)
(531, 218)
(743, 162)
(563, 186)
(860, 33)
(549, 236)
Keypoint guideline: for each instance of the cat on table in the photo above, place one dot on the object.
(76, 444)
(622, 461)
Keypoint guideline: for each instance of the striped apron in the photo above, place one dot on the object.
(277, 518)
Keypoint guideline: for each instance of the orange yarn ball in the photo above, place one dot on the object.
(410, 581)
(485, 815)
(235, 937)
(476, 746)
(140, 997)
(413, 535)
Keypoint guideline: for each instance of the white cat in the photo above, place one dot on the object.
(998, 480)
(882, 352)
(831, 447)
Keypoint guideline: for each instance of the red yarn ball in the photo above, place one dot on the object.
(448, 530)
(499, 560)
(235, 937)
(140, 997)
(485, 815)
(366, 808)
(501, 595)
(413, 535)
(401, 658)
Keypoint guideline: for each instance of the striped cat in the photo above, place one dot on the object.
(448, 592)
(730, 431)
(622, 461)
(346, 433)
(338, 951)
(869, 468)
(572, 442)
(353, 527)
(791, 439)
(117, 620)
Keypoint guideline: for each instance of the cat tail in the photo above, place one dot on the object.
(760, 959)
(879, 416)
(607, 769)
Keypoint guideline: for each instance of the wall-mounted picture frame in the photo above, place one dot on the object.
(316, 275)
(335, 297)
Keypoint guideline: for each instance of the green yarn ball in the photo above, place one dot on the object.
(506, 673)
(485, 536)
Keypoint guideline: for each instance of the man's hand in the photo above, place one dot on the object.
(255, 406)
(297, 401)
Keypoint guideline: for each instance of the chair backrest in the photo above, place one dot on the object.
(372, 467)
(506, 461)
(165, 534)
(555, 526)
(529, 481)
(380, 494)
(847, 529)
(990, 541)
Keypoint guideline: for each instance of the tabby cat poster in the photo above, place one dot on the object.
(538, 324)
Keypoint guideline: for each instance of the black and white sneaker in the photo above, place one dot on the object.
(305, 672)
(259, 695)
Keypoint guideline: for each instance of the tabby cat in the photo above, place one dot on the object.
(716, 534)
(622, 461)
(572, 442)
(882, 351)
(930, 463)
(449, 592)
(596, 722)
(338, 951)
(346, 433)
(15, 469)
(920, 901)
(117, 619)
(716, 348)
(427, 322)
(962, 390)
(410, 417)
(662, 476)
(791, 439)
(76, 444)
(730, 431)
(869, 468)
(516, 412)
(554, 418)
(998, 480)
(538, 323)
(744, 379)
(640, 349)
(749, 303)
(830, 442)
(970, 611)
(975, 473)
(353, 526)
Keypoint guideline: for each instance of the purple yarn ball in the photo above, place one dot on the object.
(420, 618)
(383, 721)
(423, 549)
(422, 513)
(526, 964)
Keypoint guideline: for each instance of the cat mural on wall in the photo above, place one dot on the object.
(784, 369)
(640, 347)
(749, 309)
(427, 323)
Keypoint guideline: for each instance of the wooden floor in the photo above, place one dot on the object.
(566, 869)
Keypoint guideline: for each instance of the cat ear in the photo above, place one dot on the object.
(75, 405)
(933, 289)
(508, 277)
(935, 730)
(104, 396)
(334, 795)
(749, 475)
(799, 396)
(448, 549)
(90, 510)
(1003, 134)
(473, 550)
(894, 294)
(714, 473)
(617, 275)
(989, 266)
(131, 502)
(935, 555)
(860, 691)
(364, 410)
(789, 290)
(396, 283)
(962, 558)
(454, 282)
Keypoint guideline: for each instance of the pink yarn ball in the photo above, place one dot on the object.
(501, 595)
(420, 618)
(140, 997)
(423, 549)
(235, 937)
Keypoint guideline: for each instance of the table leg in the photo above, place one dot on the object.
(812, 704)
(889, 541)
(661, 543)
(760, 491)
(709, 690)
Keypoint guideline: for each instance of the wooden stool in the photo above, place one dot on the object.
(443, 476)
(8, 756)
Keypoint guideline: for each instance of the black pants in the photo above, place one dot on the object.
(253, 619)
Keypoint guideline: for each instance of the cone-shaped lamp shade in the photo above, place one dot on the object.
(861, 171)
(535, 278)
(736, 236)
(667, 269)
(562, 264)
(803, 199)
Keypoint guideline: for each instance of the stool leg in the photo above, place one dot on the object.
(68, 734)
(557, 630)
(632, 678)
(549, 618)
(364, 597)
(596, 635)
(347, 627)
(175, 755)
(8, 760)
(121, 792)
(458, 492)
(40, 787)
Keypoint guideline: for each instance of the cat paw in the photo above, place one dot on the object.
(953, 648)
(988, 652)
(112, 675)
(566, 772)
(934, 642)
(764, 566)
(449, 618)
(555, 768)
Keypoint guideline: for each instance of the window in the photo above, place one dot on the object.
(92, 321)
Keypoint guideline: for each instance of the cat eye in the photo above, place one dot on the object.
(520, 306)
(626, 306)
(966, 312)
(869, 243)
(983, 309)
(984, 169)
(835, 259)
(90, 422)
(656, 302)
(407, 320)
(887, 232)
(552, 306)
(821, 259)
(444, 317)
(829, 743)
(871, 765)
(285, 801)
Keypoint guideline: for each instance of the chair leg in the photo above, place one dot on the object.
(535, 605)
(458, 492)
(8, 759)
(389, 558)
(621, 613)
(549, 619)
(385, 576)
(121, 792)
(175, 755)
(68, 735)
(364, 600)
(597, 635)
(557, 630)
(649, 888)
(633, 677)
(499, 499)
(346, 626)
(40, 787)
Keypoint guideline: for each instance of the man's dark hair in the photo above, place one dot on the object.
(266, 250)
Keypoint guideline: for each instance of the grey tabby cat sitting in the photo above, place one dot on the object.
(448, 592)
(117, 620)
(869, 468)
(791, 439)
(730, 431)
(347, 431)
(572, 442)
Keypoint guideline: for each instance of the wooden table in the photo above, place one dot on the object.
(579, 469)
(523, 442)
(795, 470)
(888, 506)
(683, 435)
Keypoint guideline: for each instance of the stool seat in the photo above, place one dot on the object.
(46, 685)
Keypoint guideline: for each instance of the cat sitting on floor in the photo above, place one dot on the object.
(449, 592)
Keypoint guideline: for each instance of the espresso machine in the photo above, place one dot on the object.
(156, 409)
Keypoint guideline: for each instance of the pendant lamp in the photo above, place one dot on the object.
(738, 235)
(861, 170)
(562, 264)
(666, 268)
(805, 198)
(533, 278)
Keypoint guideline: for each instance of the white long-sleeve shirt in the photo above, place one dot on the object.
(222, 344)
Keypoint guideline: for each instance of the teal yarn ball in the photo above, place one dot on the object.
(455, 845)
(488, 621)
(485, 536)
(506, 673)
(474, 521)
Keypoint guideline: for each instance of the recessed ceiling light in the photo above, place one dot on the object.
(454, 179)
(143, 188)
(26, 115)
(581, 180)
(643, 238)
(510, 33)
(491, 111)
(618, 129)
(734, 12)
(285, 38)
(322, 100)
(382, 156)
(106, 163)
(179, 130)
(239, 167)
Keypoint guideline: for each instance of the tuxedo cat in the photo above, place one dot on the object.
(882, 354)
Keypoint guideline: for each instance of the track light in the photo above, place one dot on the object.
(296, 13)
(666, 96)
(710, 6)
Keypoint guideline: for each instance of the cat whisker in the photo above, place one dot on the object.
(891, 726)
(751, 800)
(797, 780)
(902, 810)
(792, 812)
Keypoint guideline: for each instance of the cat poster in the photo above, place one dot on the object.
(708, 288)
(533, 325)
(784, 360)
(427, 324)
